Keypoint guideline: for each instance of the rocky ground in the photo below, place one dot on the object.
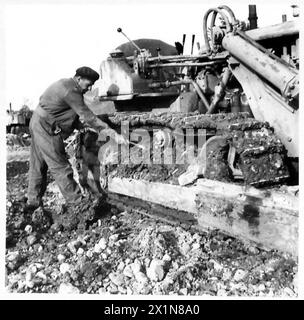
(127, 253)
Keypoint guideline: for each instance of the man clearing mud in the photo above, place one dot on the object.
(61, 109)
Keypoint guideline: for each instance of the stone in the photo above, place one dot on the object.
(122, 290)
(89, 253)
(253, 250)
(121, 266)
(102, 243)
(183, 291)
(12, 256)
(97, 248)
(141, 277)
(135, 266)
(185, 248)
(196, 246)
(31, 239)
(261, 287)
(240, 275)
(216, 265)
(155, 272)
(67, 288)
(128, 271)
(222, 293)
(65, 267)
(117, 279)
(289, 292)
(71, 247)
(28, 229)
(102, 291)
(166, 257)
(80, 252)
(41, 275)
(60, 257)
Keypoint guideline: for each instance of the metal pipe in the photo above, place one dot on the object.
(270, 67)
(168, 84)
(192, 44)
(134, 44)
(191, 64)
(253, 18)
(205, 27)
(219, 90)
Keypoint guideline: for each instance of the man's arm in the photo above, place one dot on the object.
(75, 100)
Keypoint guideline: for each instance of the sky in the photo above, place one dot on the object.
(48, 40)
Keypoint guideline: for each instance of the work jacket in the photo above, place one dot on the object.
(63, 107)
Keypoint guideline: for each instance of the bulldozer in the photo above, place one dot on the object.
(214, 140)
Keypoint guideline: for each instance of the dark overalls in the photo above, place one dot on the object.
(60, 109)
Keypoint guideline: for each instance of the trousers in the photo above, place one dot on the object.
(47, 152)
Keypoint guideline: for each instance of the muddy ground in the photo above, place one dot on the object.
(123, 252)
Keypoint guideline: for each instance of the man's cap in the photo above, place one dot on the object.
(87, 73)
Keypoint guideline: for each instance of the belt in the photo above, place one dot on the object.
(44, 114)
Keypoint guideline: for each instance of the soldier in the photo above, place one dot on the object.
(61, 109)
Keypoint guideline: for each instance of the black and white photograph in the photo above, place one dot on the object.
(152, 150)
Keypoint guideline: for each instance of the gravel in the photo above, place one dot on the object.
(125, 253)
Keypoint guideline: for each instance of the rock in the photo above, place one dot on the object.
(60, 257)
(114, 217)
(104, 256)
(89, 253)
(41, 275)
(261, 287)
(135, 266)
(216, 265)
(129, 291)
(112, 288)
(121, 266)
(112, 228)
(141, 277)
(128, 271)
(117, 279)
(65, 267)
(97, 248)
(71, 247)
(102, 243)
(28, 229)
(185, 248)
(30, 284)
(240, 275)
(183, 291)
(222, 293)
(102, 291)
(196, 246)
(12, 256)
(122, 290)
(80, 252)
(31, 239)
(67, 288)
(253, 250)
(166, 257)
(113, 237)
(155, 272)
(288, 292)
